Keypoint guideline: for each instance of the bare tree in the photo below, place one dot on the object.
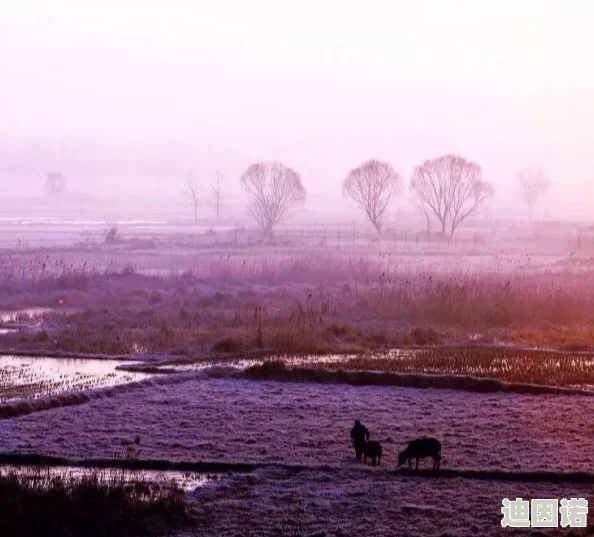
(273, 189)
(194, 194)
(372, 186)
(451, 188)
(533, 183)
(217, 193)
(55, 184)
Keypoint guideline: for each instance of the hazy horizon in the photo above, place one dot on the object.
(150, 93)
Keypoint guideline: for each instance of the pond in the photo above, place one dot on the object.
(36, 376)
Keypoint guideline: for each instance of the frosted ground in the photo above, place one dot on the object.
(230, 420)
(279, 425)
(373, 502)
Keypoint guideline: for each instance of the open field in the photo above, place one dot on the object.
(254, 254)
(232, 420)
(277, 426)
(172, 304)
(350, 502)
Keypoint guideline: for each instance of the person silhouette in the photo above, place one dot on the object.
(359, 435)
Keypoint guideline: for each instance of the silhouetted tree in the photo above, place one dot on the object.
(55, 184)
(451, 188)
(372, 186)
(533, 183)
(194, 194)
(273, 188)
(216, 189)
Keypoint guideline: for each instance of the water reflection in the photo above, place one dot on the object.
(295, 361)
(188, 481)
(17, 315)
(31, 377)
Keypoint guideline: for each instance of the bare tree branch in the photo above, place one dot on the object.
(273, 189)
(194, 194)
(451, 188)
(55, 184)
(533, 183)
(216, 189)
(372, 186)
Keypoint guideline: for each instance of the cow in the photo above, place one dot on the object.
(421, 448)
(373, 450)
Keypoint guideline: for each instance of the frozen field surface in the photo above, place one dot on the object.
(346, 503)
(231, 420)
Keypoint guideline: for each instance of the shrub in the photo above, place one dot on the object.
(111, 236)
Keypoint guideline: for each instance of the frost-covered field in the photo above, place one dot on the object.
(343, 287)
(278, 425)
(230, 420)
(376, 502)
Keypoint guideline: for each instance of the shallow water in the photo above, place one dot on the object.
(13, 316)
(288, 360)
(32, 377)
(186, 480)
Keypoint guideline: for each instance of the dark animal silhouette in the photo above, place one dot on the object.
(359, 435)
(420, 449)
(372, 450)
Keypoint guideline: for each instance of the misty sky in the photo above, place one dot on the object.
(320, 85)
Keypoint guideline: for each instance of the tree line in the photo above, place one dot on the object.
(447, 189)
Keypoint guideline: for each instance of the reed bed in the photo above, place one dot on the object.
(300, 303)
(38, 503)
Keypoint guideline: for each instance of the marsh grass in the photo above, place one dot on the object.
(42, 504)
(302, 304)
